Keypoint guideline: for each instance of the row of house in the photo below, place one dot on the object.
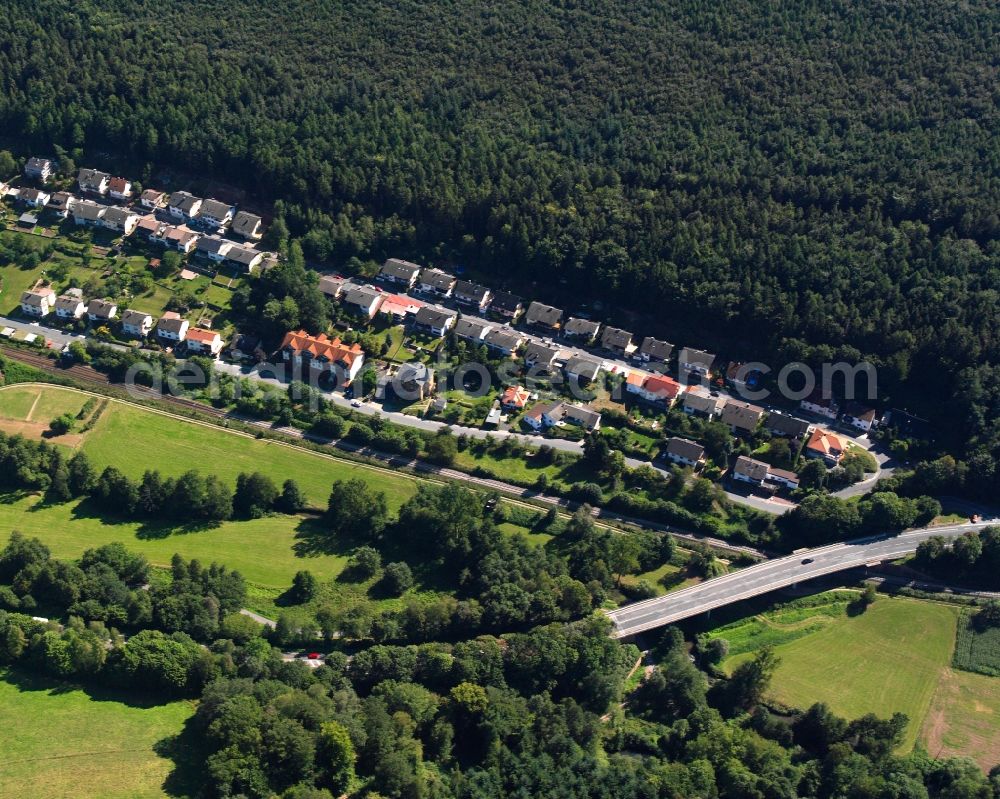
(757, 473)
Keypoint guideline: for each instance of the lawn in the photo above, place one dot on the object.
(886, 660)
(47, 736)
(964, 718)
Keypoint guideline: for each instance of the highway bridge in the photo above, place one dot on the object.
(774, 574)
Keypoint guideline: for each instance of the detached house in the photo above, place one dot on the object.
(504, 340)
(151, 228)
(182, 205)
(582, 330)
(655, 388)
(323, 354)
(741, 417)
(120, 188)
(332, 286)
(363, 301)
(818, 404)
(617, 341)
(38, 302)
(543, 316)
(120, 220)
(697, 361)
(136, 323)
(860, 416)
(472, 295)
(202, 341)
(582, 370)
(684, 452)
(826, 446)
(247, 226)
(36, 198)
(652, 350)
(436, 282)
(399, 273)
(563, 413)
(215, 214)
(515, 398)
(780, 424)
(88, 213)
(699, 404)
(38, 169)
(244, 258)
(436, 321)
(537, 353)
(171, 328)
(748, 470)
(93, 181)
(507, 305)
(153, 199)
(471, 329)
(100, 311)
(70, 306)
(179, 238)
(61, 204)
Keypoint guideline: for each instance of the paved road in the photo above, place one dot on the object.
(771, 575)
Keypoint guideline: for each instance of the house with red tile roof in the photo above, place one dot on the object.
(654, 388)
(200, 340)
(322, 353)
(515, 398)
(825, 445)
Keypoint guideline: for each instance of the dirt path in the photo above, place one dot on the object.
(31, 410)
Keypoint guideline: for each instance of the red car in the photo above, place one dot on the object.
(314, 656)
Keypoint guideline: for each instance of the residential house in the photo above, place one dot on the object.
(332, 286)
(70, 305)
(471, 329)
(782, 477)
(739, 375)
(215, 214)
(538, 417)
(781, 424)
(684, 452)
(540, 354)
(411, 382)
(826, 446)
(213, 248)
(697, 361)
(27, 220)
(183, 205)
(101, 311)
(544, 416)
(363, 301)
(38, 302)
(436, 282)
(504, 340)
(652, 350)
(180, 238)
(820, 405)
(61, 203)
(247, 226)
(36, 198)
(120, 220)
(246, 347)
(93, 181)
(543, 316)
(581, 330)
(582, 370)
(697, 403)
(400, 306)
(515, 398)
(88, 213)
(151, 228)
(323, 354)
(495, 415)
(471, 294)
(136, 323)
(618, 341)
(654, 388)
(860, 416)
(741, 417)
(120, 188)
(203, 342)
(434, 320)
(589, 420)
(38, 169)
(748, 470)
(153, 199)
(171, 328)
(399, 273)
(507, 305)
(245, 258)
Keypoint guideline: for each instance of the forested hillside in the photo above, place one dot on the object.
(788, 178)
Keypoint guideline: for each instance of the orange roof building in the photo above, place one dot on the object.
(824, 444)
(515, 397)
(323, 352)
(201, 340)
(655, 388)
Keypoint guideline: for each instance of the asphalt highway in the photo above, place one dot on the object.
(774, 574)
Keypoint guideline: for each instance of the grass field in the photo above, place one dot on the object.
(51, 746)
(964, 718)
(886, 660)
(977, 650)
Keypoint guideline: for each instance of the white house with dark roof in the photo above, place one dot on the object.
(247, 226)
(435, 282)
(213, 248)
(93, 181)
(472, 329)
(38, 302)
(363, 301)
(504, 340)
(36, 198)
(544, 316)
(38, 169)
(172, 328)
(537, 353)
(86, 212)
(684, 452)
(471, 294)
(579, 329)
(618, 341)
(506, 305)
(120, 220)
(399, 272)
(99, 311)
(748, 470)
(436, 321)
(652, 350)
(697, 361)
(183, 205)
(583, 370)
(70, 306)
(136, 323)
(214, 213)
(697, 403)
(245, 258)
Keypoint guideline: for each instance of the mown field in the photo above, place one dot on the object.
(965, 718)
(62, 742)
(891, 658)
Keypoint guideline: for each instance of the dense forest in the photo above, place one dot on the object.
(777, 180)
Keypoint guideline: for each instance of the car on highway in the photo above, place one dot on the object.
(807, 561)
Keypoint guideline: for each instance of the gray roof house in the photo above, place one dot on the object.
(652, 349)
(781, 424)
(585, 369)
(246, 225)
(682, 450)
(543, 315)
(436, 321)
(616, 340)
(398, 271)
(472, 329)
(581, 328)
(505, 340)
